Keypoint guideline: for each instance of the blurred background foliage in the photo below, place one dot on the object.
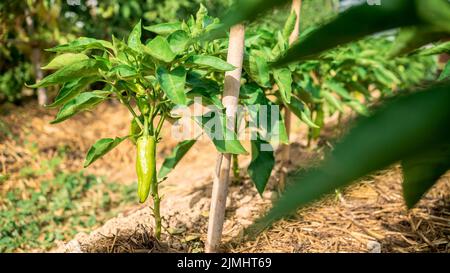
(40, 24)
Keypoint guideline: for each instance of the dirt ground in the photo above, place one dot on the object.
(367, 217)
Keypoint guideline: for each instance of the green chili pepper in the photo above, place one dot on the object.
(143, 105)
(139, 90)
(145, 165)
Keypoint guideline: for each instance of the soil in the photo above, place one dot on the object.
(367, 217)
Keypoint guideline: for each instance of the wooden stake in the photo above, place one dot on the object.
(285, 151)
(222, 175)
(36, 60)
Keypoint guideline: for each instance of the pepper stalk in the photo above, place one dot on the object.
(285, 150)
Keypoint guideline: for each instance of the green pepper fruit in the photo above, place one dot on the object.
(145, 165)
(140, 91)
(143, 105)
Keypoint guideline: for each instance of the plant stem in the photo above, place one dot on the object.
(236, 172)
(155, 195)
(156, 210)
(159, 126)
(151, 116)
(127, 104)
(285, 152)
(146, 126)
(154, 185)
(138, 121)
(36, 60)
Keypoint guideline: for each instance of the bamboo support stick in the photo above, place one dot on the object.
(285, 150)
(222, 175)
(36, 60)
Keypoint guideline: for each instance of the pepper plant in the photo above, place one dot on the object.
(418, 138)
(315, 89)
(150, 79)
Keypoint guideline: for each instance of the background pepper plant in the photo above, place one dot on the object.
(150, 79)
(414, 125)
(346, 77)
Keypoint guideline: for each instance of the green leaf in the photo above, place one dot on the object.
(178, 153)
(209, 62)
(71, 90)
(82, 44)
(289, 26)
(392, 134)
(281, 46)
(272, 129)
(263, 161)
(178, 41)
(265, 117)
(104, 62)
(442, 48)
(208, 98)
(164, 28)
(134, 40)
(199, 18)
(445, 73)
(371, 19)
(251, 94)
(358, 107)
(422, 171)
(195, 80)
(82, 102)
(123, 72)
(301, 111)
(159, 49)
(259, 70)
(123, 52)
(283, 78)
(386, 76)
(332, 100)
(214, 124)
(412, 38)
(65, 59)
(243, 11)
(435, 13)
(70, 72)
(339, 89)
(173, 84)
(100, 148)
